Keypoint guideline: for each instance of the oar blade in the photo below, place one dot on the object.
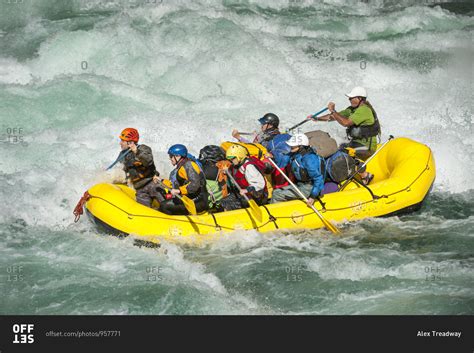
(326, 223)
(189, 204)
(255, 210)
(331, 226)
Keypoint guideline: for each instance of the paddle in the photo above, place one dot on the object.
(326, 223)
(120, 157)
(188, 203)
(254, 208)
(306, 120)
(365, 163)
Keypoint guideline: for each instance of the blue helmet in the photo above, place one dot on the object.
(178, 150)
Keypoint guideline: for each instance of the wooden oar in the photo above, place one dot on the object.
(326, 223)
(254, 208)
(187, 202)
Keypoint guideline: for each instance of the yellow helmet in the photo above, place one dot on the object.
(237, 151)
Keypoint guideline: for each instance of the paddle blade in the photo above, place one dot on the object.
(326, 223)
(189, 204)
(255, 210)
(330, 226)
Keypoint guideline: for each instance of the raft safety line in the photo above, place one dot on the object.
(79, 209)
(271, 217)
(395, 192)
(218, 227)
(323, 204)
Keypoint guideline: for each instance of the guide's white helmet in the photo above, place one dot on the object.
(357, 92)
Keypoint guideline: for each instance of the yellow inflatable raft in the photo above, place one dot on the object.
(404, 173)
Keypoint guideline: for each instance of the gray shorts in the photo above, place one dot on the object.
(287, 193)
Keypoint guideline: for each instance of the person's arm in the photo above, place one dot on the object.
(280, 151)
(236, 135)
(254, 178)
(144, 155)
(282, 156)
(129, 163)
(312, 164)
(341, 117)
(326, 117)
(282, 160)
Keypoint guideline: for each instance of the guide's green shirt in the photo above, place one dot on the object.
(362, 116)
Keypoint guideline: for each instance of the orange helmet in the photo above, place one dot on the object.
(130, 134)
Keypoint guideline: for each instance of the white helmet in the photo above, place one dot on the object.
(298, 139)
(357, 92)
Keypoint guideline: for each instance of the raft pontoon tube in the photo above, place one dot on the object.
(404, 173)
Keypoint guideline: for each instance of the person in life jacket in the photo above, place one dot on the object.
(306, 168)
(274, 141)
(247, 172)
(139, 166)
(362, 126)
(186, 179)
(214, 165)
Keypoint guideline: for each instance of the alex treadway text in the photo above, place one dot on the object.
(439, 334)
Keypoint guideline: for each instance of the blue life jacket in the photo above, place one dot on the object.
(306, 167)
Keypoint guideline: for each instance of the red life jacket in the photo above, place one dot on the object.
(278, 180)
(240, 177)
